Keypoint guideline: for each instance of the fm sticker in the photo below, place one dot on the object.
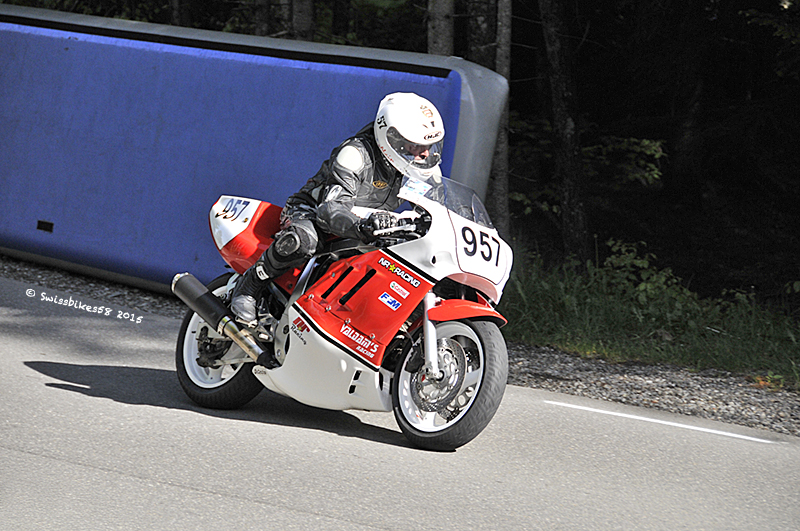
(390, 301)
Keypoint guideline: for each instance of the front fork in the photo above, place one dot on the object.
(431, 367)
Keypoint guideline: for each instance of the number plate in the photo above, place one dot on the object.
(230, 216)
(480, 250)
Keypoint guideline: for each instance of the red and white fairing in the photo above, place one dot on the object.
(333, 335)
(243, 229)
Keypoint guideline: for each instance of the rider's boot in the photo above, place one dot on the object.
(243, 305)
(247, 287)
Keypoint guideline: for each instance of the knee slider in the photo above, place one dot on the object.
(288, 243)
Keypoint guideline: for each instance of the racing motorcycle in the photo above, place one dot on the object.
(406, 324)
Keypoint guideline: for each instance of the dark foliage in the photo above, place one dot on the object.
(720, 90)
(716, 83)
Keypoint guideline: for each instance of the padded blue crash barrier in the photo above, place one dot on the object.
(117, 137)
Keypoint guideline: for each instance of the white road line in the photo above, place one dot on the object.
(655, 421)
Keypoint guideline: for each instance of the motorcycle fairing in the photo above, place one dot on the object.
(243, 229)
(454, 309)
(321, 372)
(361, 303)
(456, 247)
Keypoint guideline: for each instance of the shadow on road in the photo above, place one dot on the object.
(158, 387)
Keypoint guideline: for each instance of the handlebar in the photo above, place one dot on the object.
(410, 227)
(405, 230)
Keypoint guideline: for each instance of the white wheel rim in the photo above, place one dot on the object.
(205, 377)
(436, 421)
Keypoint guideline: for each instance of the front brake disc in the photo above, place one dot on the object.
(431, 394)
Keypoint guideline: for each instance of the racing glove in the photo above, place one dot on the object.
(376, 221)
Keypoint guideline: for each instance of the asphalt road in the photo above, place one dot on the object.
(96, 434)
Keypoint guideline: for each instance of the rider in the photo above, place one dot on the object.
(366, 170)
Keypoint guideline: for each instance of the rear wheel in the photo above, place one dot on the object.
(448, 413)
(227, 387)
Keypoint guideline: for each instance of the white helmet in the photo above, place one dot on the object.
(409, 132)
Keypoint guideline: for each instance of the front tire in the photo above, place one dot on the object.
(228, 387)
(478, 351)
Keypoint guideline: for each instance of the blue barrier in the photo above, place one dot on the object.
(116, 142)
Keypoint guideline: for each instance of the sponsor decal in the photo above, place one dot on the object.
(399, 271)
(426, 111)
(390, 301)
(400, 290)
(232, 209)
(433, 136)
(364, 345)
(380, 184)
(299, 327)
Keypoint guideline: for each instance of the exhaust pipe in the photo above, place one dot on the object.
(197, 297)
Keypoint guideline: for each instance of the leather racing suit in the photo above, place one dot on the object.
(323, 206)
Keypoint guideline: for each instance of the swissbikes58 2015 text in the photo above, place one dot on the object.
(407, 324)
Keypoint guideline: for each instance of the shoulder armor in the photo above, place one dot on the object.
(350, 158)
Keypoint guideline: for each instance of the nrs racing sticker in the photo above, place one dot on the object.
(399, 271)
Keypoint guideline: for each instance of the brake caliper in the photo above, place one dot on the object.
(210, 349)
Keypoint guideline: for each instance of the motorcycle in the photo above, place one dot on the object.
(406, 324)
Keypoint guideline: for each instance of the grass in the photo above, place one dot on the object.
(626, 309)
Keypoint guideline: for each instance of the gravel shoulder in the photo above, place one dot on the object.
(710, 394)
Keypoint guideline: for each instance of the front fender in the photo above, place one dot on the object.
(454, 309)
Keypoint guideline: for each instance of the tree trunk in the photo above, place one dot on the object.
(497, 195)
(280, 14)
(565, 127)
(482, 32)
(175, 7)
(490, 46)
(440, 27)
(262, 18)
(181, 12)
(341, 19)
(303, 20)
(684, 175)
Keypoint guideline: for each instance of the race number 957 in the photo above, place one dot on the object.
(233, 209)
(484, 244)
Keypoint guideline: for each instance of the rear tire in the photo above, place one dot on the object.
(229, 387)
(418, 407)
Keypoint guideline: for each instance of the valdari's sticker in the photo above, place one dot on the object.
(364, 345)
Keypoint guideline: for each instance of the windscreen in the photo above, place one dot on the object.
(458, 198)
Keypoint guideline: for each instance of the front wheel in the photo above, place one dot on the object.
(448, 413)
(228, 387)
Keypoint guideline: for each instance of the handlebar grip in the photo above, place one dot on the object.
(409, 227)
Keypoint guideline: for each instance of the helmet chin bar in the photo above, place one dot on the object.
(431, 160)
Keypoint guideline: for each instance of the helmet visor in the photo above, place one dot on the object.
(423, 156)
